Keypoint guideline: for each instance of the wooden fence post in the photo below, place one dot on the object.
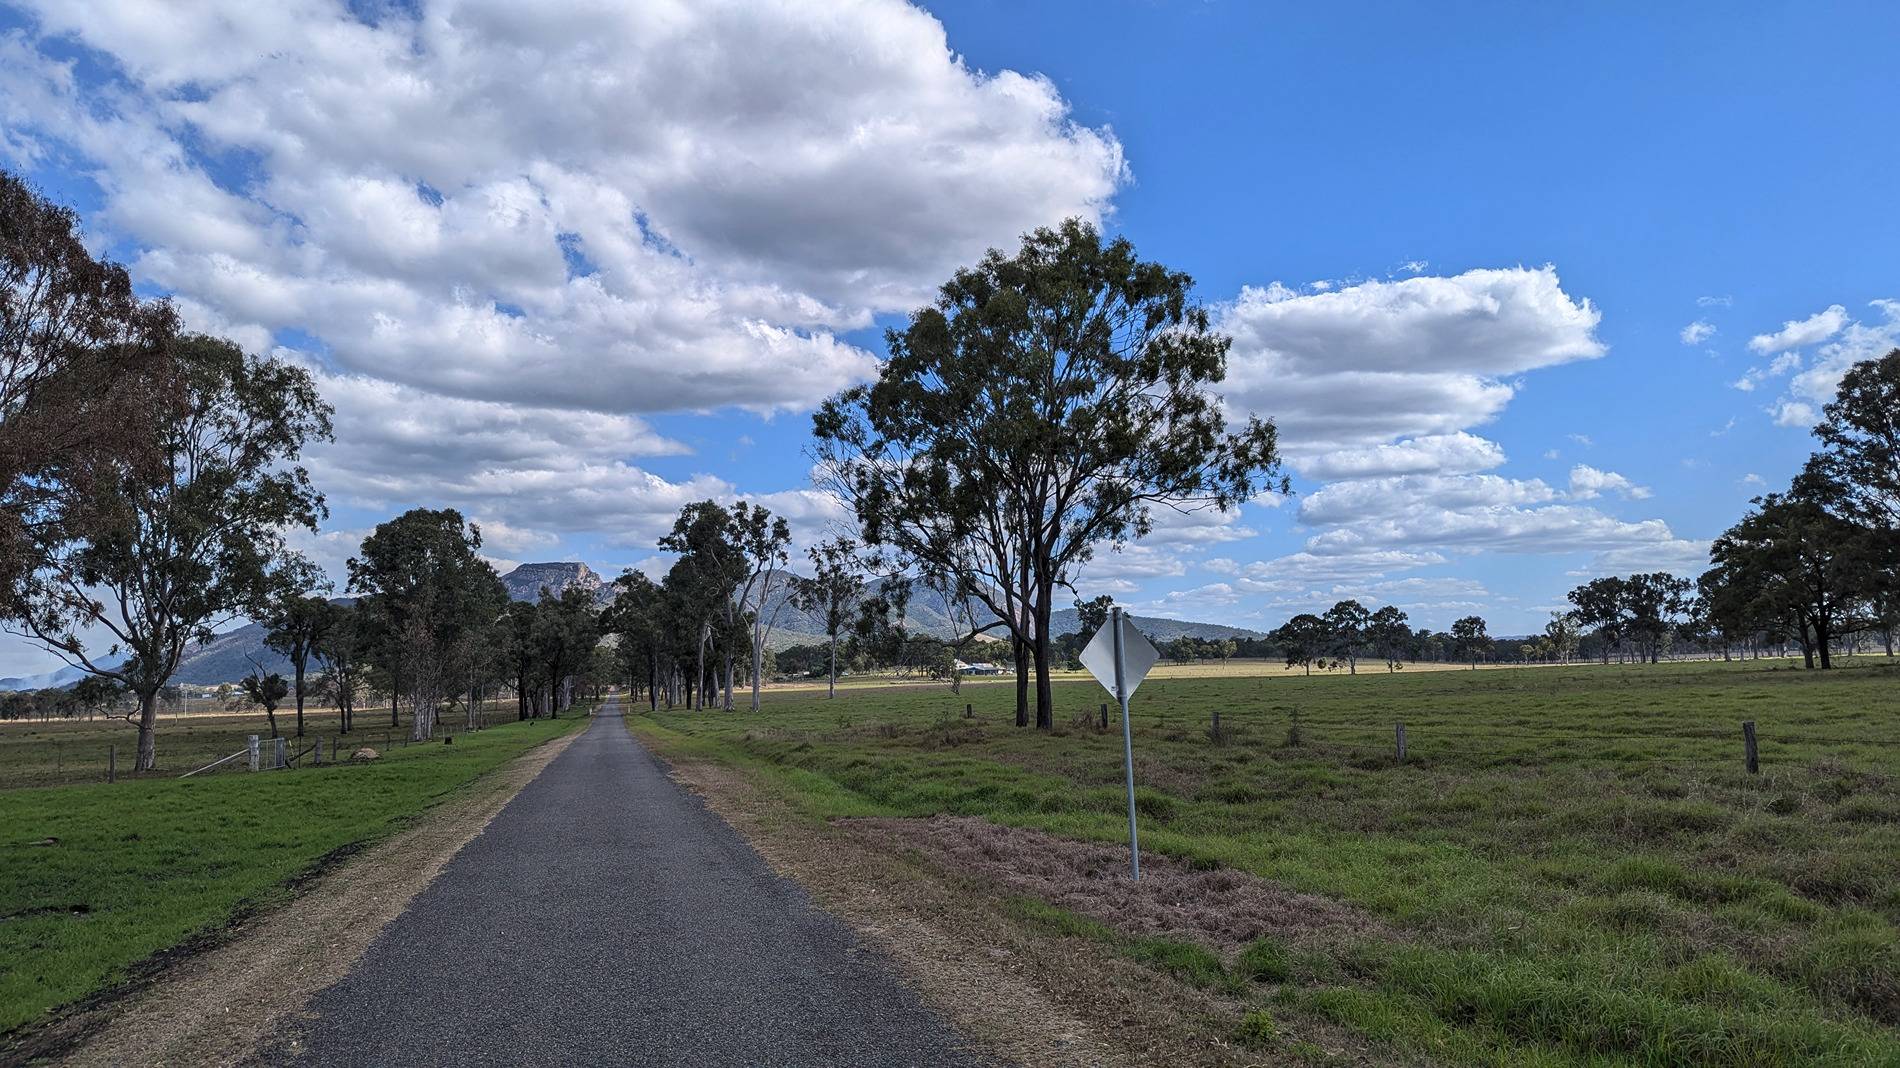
(112, 763)
(1750, 756)
(253, 746)
(1398, 740)
(1104, 715)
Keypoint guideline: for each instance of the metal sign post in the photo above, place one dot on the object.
(1119, 657)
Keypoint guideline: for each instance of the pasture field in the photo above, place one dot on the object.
(97, 879)
(1238, 667)
(1572, 865)
(67, 751)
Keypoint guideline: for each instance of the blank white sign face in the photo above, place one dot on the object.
(1138, 655)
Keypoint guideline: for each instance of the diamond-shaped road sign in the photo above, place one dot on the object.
(1138, 655)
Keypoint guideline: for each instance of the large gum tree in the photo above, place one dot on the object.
(1043, 407)
(185, 535)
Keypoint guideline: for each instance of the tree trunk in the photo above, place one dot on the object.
(1020, 650)
(148, 732)
(758, 668)
(698, 698)
(1823, 640)
(726, 698)
(298, 666)
(1045, 694)
(831, 685)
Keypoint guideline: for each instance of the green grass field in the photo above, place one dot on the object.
(64, 751)
(96, 879)
(1578, 867)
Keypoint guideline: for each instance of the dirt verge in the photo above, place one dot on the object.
(216, 1005)
(1019, 995)
(1221, 908)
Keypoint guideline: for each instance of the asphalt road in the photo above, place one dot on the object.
(607, 917)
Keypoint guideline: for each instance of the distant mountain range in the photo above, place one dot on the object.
(229, 656)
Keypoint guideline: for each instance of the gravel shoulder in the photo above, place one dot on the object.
(217, 1007)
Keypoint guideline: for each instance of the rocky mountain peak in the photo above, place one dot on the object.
(525, 582)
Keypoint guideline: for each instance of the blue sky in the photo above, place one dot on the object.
(566, 273)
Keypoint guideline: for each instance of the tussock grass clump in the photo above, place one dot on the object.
(1192, 964)
(1855, 960)
(1265, 961)
(1257, 1029)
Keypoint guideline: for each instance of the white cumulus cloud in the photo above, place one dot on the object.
(1800, 333)
(1697, 332)
(1587, 482)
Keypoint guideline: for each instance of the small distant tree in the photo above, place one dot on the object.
(1346, 624)
(1469, 639)
(1302, 640)
(1388, 633)
(267, 690)
(295, 621)
(1562, 634)
(832, 594)
(1602, 605)
(1653, 604)
(98, 696)
(344, 649)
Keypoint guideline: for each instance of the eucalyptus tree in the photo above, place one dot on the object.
(1302, 640)
(638, 616)
(85, 366)
(161, 554)
(566, 630)
(419, 573)
(832, 594)
(763, 539)
(1387, 633)
(266, 689)
(1602, 605)
(1043, 406)
(1860, 442)
(1856, 475)
(708, 575)
(295, 620)
(1791, 558)
(515, 634)
(1346, 624)
(1470, 639)
(344, 648)
(1654, 604)
(1562, 634)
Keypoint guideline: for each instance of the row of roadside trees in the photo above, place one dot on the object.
(149, 480)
